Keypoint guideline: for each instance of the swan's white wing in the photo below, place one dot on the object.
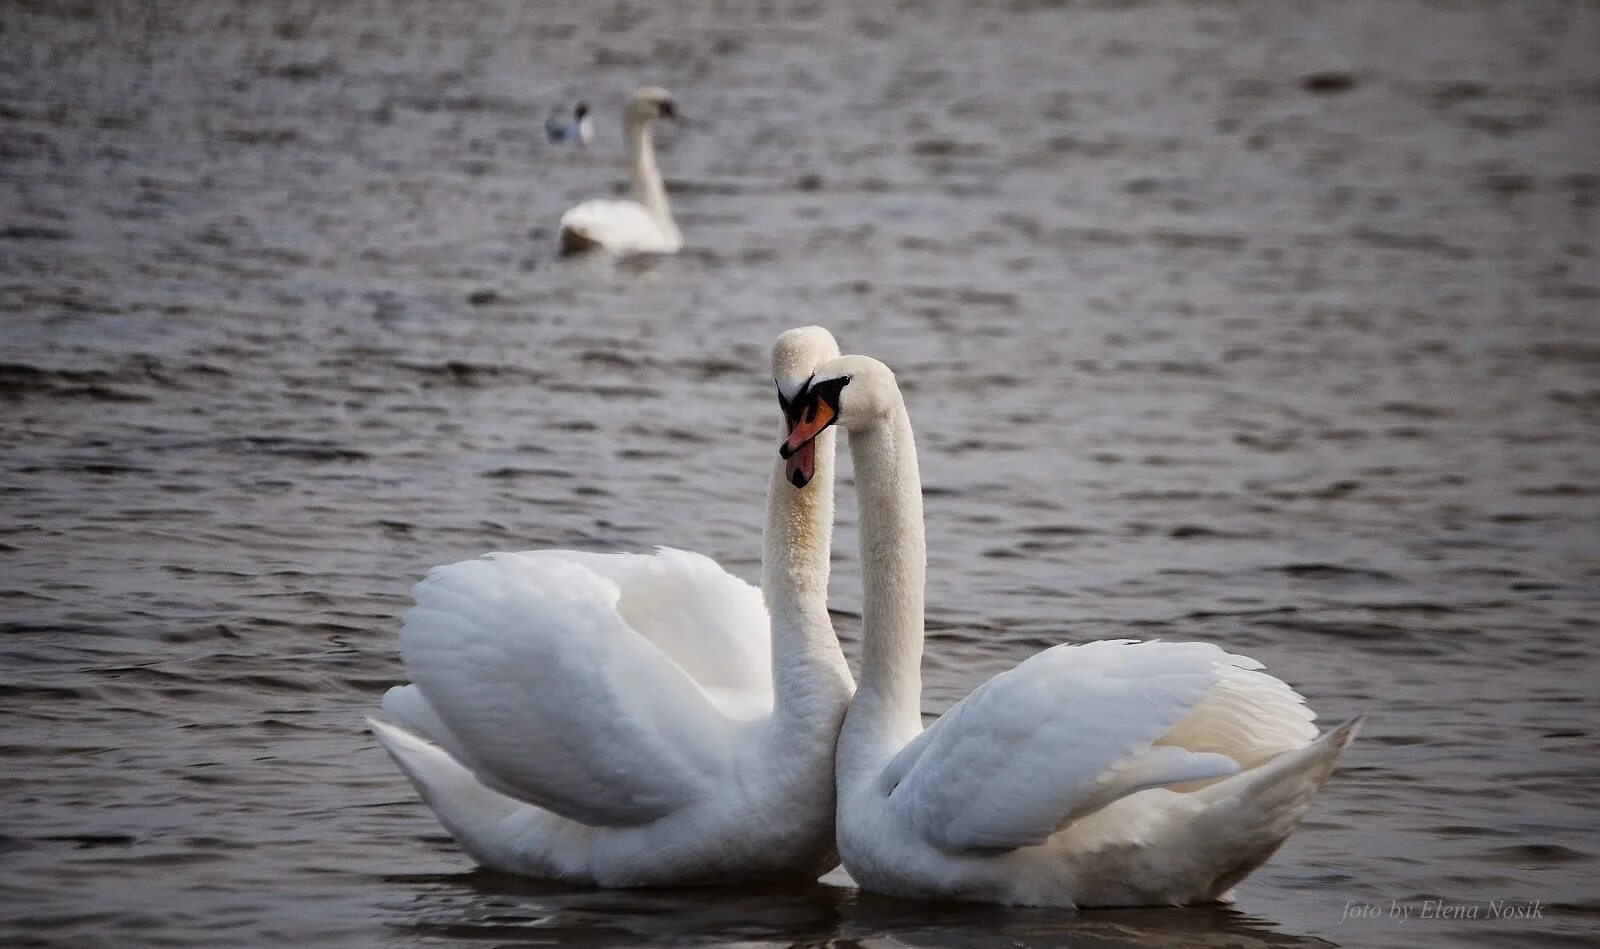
(1249, 716)
(713, 624)
(617, 226)
(1064, 733)
(537, 683)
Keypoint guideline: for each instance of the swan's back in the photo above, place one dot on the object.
(1076, 727)
(617, 226)
(530, 670)
(1248, 715)
(711, 623)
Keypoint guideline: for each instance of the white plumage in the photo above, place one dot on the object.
(622, 731)
(1061, 735)
(620, 719)
(1110, 773)
(623, 227)
(643, 224)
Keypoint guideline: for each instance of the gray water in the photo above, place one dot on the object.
(1273, 325)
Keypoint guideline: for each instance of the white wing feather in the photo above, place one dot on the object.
(1066, 732)
(529, 673)
(1249, 716)
(711, 623)
(408, 706)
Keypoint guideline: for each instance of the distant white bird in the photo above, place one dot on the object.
(1110, 773)
(644, 224)
(579, 131)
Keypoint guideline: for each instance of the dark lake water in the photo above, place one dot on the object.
(1275, 325)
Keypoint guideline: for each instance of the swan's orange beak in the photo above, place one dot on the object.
(814, 415)
(800, 467)
(814, 408)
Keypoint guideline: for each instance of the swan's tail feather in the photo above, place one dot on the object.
(498, 832)
(1251, 814)
(407, 705)
(460, 800)
(575, 240)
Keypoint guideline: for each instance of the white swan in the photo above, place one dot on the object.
(644, 224)
(636, 720)
(1106, 774)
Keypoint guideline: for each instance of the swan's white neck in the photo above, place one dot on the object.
(811, 680)
(887, 709)
(643, 176)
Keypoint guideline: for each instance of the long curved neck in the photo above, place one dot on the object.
(643, 176)
(887, 709)
(810, 678)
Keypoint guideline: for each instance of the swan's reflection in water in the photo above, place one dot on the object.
(487, 906)
(491, 908)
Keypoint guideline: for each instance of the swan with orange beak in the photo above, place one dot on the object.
(1112, 773)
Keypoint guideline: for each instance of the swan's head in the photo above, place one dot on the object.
(580, 111)
(853, 392)
(796, 357)
(651, 102)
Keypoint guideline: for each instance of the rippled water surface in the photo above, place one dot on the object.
(1268, 324)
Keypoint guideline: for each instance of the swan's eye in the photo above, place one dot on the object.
(829, 390)
(667, 109)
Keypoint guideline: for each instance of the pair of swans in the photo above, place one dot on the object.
(627, 720)
(644, 224)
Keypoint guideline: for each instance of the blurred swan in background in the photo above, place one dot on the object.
(643, 224)
(578, 131)
(1105, 774)
(636, 719)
